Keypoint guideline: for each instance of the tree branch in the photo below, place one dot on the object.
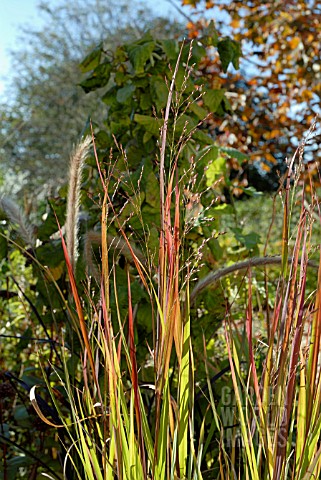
(213, 277)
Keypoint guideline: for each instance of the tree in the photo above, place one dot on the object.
(48, 109)
(276, 93)
(133, 82)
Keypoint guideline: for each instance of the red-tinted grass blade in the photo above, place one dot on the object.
(134, 376)
(75, 295)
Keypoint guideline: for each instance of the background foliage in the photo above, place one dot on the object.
(48, 110)
(234, 117)
(276, 92)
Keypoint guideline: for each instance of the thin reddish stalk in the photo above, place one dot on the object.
(134, 376)
(250, 343)
(296, 323)
(290, 390)
(315, 346)
(82, 323)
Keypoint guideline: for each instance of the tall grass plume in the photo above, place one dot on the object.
(77, 160)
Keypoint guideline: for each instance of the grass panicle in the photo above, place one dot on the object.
(77, 161)
(279, 410)
(18, 218)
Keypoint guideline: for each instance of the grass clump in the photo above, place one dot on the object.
(118, 413)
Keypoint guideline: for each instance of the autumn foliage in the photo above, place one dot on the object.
(276, 93)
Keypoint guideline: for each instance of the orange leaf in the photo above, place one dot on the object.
(265, 167)
(189, 2)
(273, 134)
(270, 157)
(294, 42)
(307, 95)
(193, 34)
(235, 23)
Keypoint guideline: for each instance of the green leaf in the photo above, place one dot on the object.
(125, 93)
(170, 47)
(230, 52)
(207, 155)
(147, 136)
(3, 247)
(139, 55)
(198, 52)
(159, 92)
(144, 313)
(187, 122)
(99, 78)
(202, 137)
(31, 380)
(130, 209)
(222, 209)
(150, 215)
(5, 430)
(110, 96)
(21, 461)
(200, 112)
(216, 170)
(252, 192)
(50, 254)
(151, 124)
(141, 82)
(24, 340)
(102, 139)
(120, 55)
(72, 364)
(184, 398)
(145, 101)
(216, 248)
(153, 242)
(211, 38)
(49, 226)
(181, 80)
(91, 61)
(134, 157)
(233, 153)
(249, 240)
(226, 106)
(120, 78)
(20, 413)
(152, 190)
(213, 98)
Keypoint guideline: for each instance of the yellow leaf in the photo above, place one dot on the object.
(294, 42)
(265, 167)
(307, 95)
(56, 272)
(270, 157)
(209, 4)
(235, 23)
(216, 83)
(274, 134)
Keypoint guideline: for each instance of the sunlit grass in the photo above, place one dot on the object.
(257, 414)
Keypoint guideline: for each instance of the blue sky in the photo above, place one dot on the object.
(17, 12)
(13, 14)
